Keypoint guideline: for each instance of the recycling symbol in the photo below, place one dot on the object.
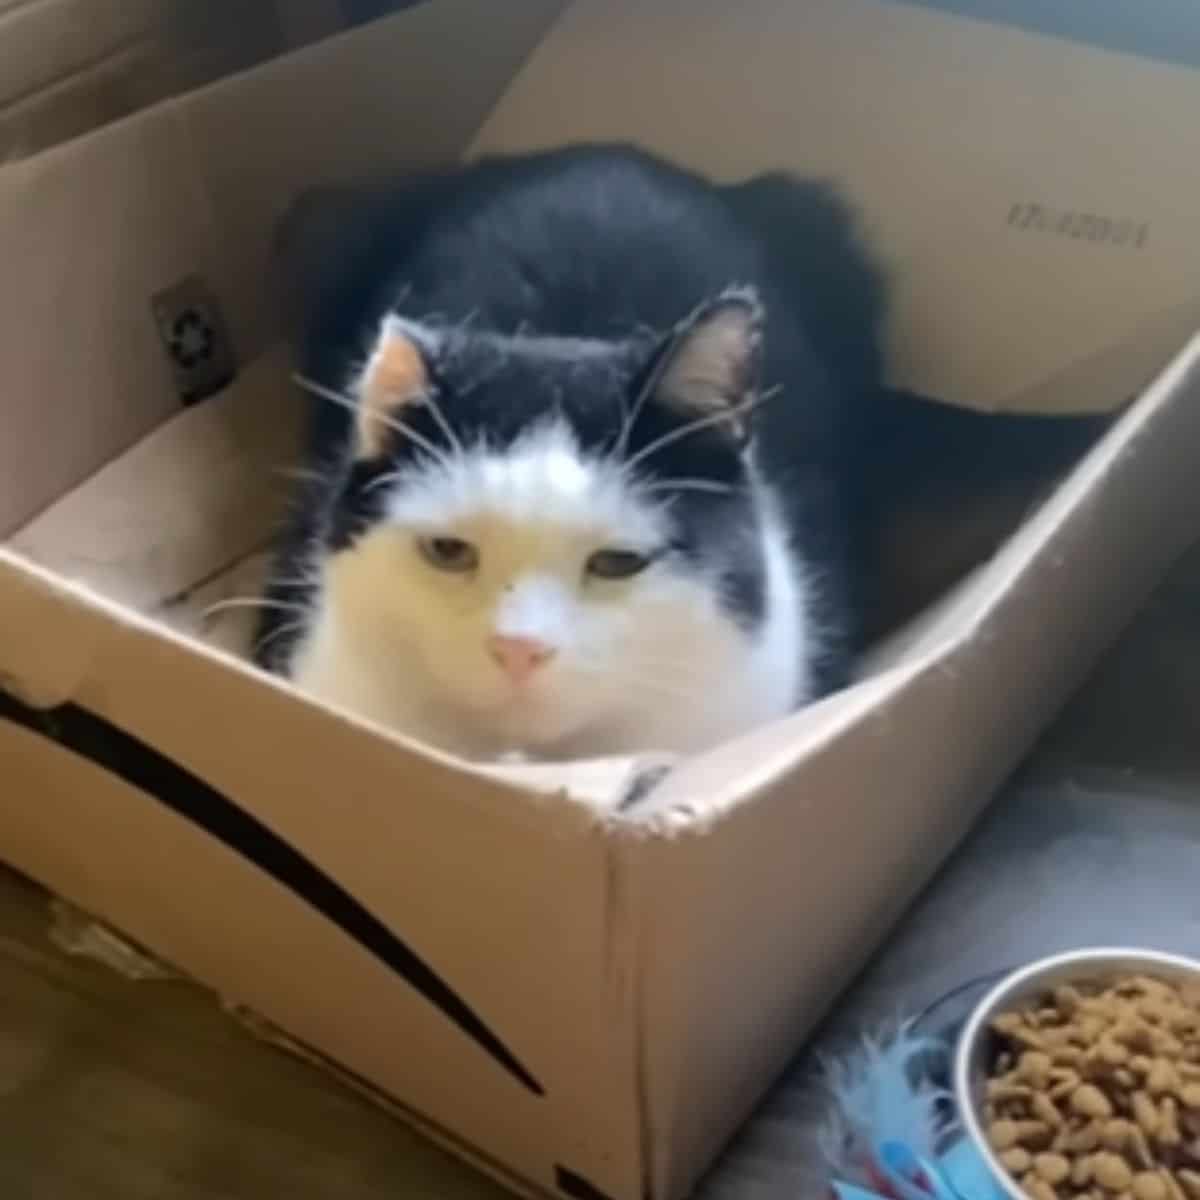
(191, 339)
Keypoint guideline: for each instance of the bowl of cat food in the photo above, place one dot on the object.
(1078, 1078)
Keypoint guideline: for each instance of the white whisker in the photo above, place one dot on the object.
(655, 664)
(700, 423)
(439, 415)
(711, 486)
(681, 685)
(638, 681)
(631, 418)
(250, 602)
(383, 481)
(302, 581)
(691, 681)
(275, 634)
(393, 423)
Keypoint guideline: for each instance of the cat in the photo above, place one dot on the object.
(598, 449)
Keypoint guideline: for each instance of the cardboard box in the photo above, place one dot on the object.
(582, 976)
(71, 66)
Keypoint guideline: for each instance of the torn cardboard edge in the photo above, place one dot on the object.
(214, 466)
(958, 619)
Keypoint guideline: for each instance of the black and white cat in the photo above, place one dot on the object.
(596, 459)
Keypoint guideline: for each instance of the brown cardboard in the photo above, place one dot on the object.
(71, 66)
(200, 493)
(951, 129)
(639, 944)
(46, 41)
(185, 190)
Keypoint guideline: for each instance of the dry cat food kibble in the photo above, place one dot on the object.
(1094, 1092)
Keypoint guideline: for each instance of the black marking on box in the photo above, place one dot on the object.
(575, 1186)
(91, 737)
(1078, 225)
(195, 339)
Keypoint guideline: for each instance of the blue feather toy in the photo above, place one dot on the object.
(892, 1133)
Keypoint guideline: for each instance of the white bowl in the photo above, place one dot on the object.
(1038, 978)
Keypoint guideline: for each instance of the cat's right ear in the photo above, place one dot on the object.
(708, 367)
(395, 376)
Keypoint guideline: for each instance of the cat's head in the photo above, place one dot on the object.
(545, 538)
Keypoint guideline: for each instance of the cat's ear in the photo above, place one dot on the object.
(396, 375)
(711, 363)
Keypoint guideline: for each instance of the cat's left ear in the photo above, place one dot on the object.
(396, 375)
(711, 363)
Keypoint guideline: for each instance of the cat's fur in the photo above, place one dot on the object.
(572, 353)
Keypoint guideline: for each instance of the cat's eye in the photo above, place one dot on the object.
(449, 553)
(616, 564)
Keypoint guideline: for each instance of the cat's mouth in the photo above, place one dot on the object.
(526, 699)
(530, 715)
(504, 700)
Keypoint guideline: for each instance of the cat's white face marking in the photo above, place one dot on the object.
(514, 643)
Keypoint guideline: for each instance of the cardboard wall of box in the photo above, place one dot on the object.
(582, 975)
(70, 66)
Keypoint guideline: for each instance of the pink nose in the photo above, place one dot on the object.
(519, 657)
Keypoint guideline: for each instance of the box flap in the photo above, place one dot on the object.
(1030, 216)
(70, 66)
(46, 41)
(192, 190)
(194, 497)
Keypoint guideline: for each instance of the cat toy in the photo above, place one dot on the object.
(892, 1132)
(897, 1173)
